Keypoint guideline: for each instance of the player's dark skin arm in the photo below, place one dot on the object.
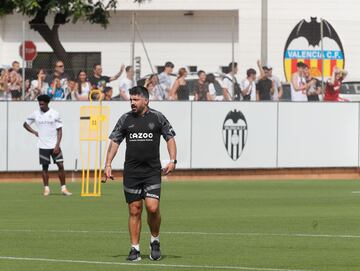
(171, 146)
(111, 152)
(29, 129)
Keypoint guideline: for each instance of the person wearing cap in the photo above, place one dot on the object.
(165, 81)
(49, 136)
(278, 90)
(265, 86)
(333, 86)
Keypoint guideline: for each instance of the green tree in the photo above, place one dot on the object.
(60, 12)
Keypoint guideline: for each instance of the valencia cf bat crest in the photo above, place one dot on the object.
(235, 132)
(304, 44)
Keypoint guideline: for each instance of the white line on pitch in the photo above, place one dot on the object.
(196, 233)
(148, 265)
(355, 192)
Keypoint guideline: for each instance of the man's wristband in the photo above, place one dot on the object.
(173, 161)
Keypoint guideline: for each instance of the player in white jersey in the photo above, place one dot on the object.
(49, 136)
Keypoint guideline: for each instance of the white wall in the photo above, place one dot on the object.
(279, 135)
(318, 135)
(208, 149)
(3, 136)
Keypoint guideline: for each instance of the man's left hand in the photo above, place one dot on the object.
(56, 150)
(169, 168)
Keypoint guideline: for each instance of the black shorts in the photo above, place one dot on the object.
(45, 154)
(138, 188)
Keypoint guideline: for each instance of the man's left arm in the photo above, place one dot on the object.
(58, 140)
(58, 133)
(171, 146)
(168, 134)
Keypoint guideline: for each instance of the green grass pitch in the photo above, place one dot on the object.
(207, 225)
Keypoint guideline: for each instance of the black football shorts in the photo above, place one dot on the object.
(138, 188)
(45, 154)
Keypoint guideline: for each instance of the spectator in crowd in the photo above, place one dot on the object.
(15, 66)
(278, 90)
(264, 87)
(165, 79)
(99, 81)
(14, 86)
(107, 93)
(83, 86)
(314, 86)
(71, 92)
(201, 90)
(248, 86)
(298, 84)
(127, 83)
(333, 86)
(154, 89)
(59, 72)
(27, 90)
(38, 86)
(231, 86)
(180, 89)
(4, 85)
(210, 81)
(55, 91)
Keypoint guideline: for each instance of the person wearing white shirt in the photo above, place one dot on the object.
(248, 86)
(38, 86)
(165, 81)
(49, 136)
(230, 83)
(127, 83)
(298, 84)
(278, 91)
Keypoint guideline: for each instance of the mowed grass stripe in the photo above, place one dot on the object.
(260, 234)
(149, 265)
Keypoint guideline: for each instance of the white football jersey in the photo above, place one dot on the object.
(47, 123)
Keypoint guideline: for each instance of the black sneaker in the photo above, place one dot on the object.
(155, 253)
(134, 255)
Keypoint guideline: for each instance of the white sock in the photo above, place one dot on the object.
(152, 239)
(63, 187)
(46, 187)
(137, 247)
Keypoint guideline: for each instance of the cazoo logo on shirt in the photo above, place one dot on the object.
(141, 136)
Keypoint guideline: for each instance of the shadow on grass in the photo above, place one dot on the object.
(146, 256)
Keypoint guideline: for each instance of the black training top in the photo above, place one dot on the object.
(142, 135)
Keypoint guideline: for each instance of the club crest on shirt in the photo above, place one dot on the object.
(151, 126)
(235, 132)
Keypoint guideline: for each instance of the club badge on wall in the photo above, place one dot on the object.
(304, 44)
(235, 131)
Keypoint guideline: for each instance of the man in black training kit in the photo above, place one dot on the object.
(142, 128)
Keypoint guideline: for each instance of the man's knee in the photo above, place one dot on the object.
(135, 209)
(45, 168)
(60, 166)
(152, 208)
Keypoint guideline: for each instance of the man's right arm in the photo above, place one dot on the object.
(116, 137)
(29, 129)
(111, 152)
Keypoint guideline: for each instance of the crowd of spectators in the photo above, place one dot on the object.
(257, 85)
